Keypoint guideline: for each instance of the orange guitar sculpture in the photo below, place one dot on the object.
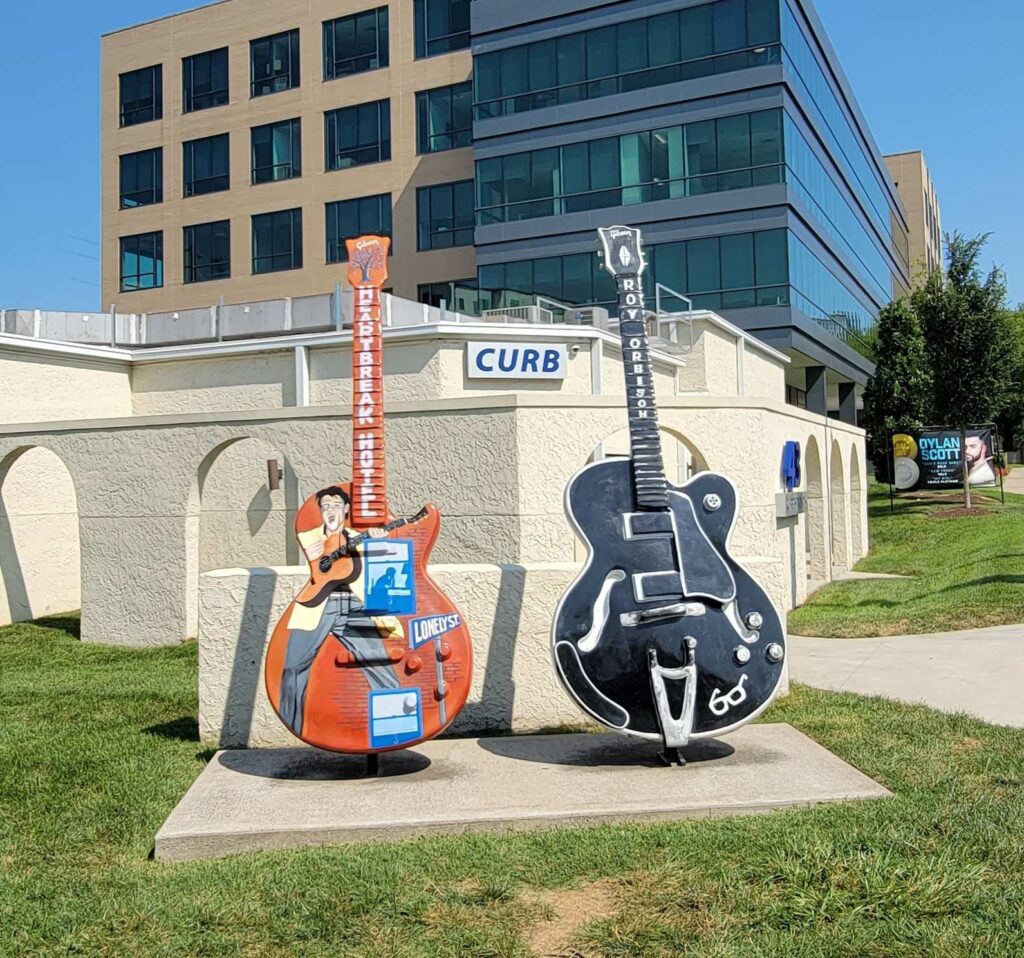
(371, 655)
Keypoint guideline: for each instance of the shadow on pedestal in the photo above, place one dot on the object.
(313, 765)
(599, 750)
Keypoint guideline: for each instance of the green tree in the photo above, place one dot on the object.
(1011, 419)
(968, 339)
(898, 396)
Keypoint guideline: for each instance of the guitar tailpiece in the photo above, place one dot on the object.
(675, 730)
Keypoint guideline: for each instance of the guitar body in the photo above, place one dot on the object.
(604, 664)
(430, 660)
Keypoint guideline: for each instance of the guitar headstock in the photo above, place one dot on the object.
(623, 250)
(368, 261)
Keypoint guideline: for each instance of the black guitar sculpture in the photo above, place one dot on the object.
(663, 635)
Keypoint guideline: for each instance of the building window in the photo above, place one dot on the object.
(730, 153)
(444, 118)
(206, 165)
(205, 80)
(274, 63)
(365, 216)
(441, 26)
(142, 261)
(277, 241)
(357, 135)
(444, 215)
(277, 151)
(718, 272)
(796, 397)
(142, 178)
(207, 251)
(459, 295)
(142, 95)
(356, 44)
(644, 52)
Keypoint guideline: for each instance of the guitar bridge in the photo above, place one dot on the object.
(675, 611)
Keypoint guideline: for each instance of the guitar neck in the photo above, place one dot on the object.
(387, 527)
(649, 479)
(369, 477)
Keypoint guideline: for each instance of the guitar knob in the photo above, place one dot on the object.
(440, 693)
(774, 652)
(445, 652)
(343, 658)
(712, 502)
(413, 664)
(754, 621)
(741, 654)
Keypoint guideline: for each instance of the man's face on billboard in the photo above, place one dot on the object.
(334, 509)
(975, 449)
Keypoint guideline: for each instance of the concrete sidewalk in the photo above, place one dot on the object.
(1014, 482)
(979, 671)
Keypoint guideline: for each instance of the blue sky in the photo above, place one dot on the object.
(935, 75)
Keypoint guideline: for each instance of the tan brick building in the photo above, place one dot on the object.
(914, 184)
(181, 99)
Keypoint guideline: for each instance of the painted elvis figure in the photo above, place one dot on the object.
(341, 615)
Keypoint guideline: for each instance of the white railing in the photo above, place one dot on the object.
(519, 314)
(210, 324)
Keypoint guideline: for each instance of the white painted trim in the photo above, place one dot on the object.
(51, 347)
(301, 376)
(397, 334)
(474, 401)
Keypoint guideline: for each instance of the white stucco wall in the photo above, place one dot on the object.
(251, 381)
(497, 466)
(41, 386)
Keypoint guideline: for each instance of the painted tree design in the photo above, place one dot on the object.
(367, 258)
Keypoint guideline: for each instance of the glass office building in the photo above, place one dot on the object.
(727, 132)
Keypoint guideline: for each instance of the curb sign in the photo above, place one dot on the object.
(517, 361)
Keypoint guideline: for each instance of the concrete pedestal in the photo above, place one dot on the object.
(245, 801)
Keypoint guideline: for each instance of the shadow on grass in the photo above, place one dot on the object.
(69, 623)
(184, 729)
(986, 580)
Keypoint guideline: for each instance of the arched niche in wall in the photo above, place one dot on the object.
(40, 545)
(837, 490)
(857, 549)
(815, 538)
(683, 459)
(234, 519)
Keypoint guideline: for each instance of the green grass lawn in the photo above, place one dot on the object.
(98, 744)
(968, 572)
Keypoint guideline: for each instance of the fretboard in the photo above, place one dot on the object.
(369, 479)
(649, 481)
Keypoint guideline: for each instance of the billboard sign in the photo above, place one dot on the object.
(933, 459)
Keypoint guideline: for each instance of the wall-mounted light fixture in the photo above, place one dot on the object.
(274, 474)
